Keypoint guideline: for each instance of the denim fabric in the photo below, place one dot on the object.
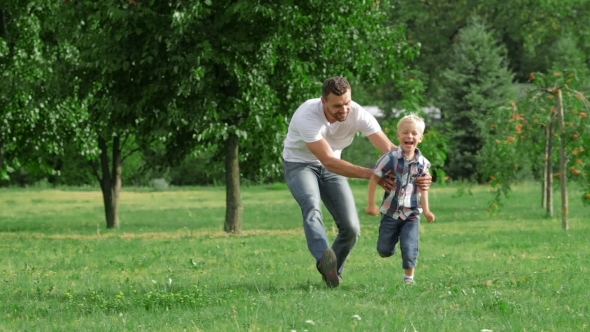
(407, 232)
(311, 185)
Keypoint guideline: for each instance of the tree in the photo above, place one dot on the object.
(550, 127)
(29, 118)
(114, 58)
(252, 62)
(527, 28)
(476, 81)
(206, 76)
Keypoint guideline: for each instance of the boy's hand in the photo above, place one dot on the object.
(372, 210)
(429, 216)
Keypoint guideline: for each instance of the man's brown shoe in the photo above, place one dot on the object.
(328, 268)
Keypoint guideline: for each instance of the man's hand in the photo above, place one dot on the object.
(388, 181)
(429, 216)
(424, 181)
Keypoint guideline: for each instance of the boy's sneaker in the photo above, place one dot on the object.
(328, 268)
(408, 281)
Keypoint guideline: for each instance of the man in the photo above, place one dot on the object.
(314, 172)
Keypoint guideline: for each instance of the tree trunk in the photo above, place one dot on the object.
(544, 182)
(3, 25)
(1, 155)
(110, 181)
(4, 35)
(549, 168)
(233, 196)
(544, 178)
(562, 163)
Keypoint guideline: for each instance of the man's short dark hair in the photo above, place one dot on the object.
(336, 85)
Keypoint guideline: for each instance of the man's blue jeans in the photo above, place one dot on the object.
(311, 185)
(407, 232)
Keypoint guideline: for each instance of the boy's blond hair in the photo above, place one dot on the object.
(414, 118)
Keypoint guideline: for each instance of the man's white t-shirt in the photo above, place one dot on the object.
(309, 124)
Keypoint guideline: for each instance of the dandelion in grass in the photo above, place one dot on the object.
(356, 317)
(310, 322)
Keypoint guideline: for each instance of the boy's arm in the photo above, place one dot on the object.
(372, 208)
(424, 200)
(424, 203)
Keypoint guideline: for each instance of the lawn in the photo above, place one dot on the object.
(170, 267)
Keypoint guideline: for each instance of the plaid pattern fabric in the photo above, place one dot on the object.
(404, 203)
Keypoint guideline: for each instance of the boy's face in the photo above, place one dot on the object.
(409, 136)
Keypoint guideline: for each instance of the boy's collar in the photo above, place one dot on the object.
(401, 153)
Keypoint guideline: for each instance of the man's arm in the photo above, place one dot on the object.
(322, 150)
(381, 142)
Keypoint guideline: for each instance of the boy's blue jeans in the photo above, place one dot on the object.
(407, 232)
(311, 185)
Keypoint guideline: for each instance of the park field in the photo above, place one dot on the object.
(170, 267)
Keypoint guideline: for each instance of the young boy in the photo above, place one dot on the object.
(401, 208)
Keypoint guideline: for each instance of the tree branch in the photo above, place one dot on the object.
(132, 151)
(579, 95)
(95, 172)
(129, 153)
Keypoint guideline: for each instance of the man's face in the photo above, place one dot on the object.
(336, 108)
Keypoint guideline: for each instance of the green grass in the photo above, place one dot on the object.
(170, 267)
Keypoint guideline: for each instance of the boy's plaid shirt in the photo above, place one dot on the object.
(404, 203)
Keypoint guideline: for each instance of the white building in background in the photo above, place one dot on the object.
(433, 112)
(375, 111)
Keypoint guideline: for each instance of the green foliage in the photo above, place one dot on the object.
(362, 152)
(528, 29)
(252, 78)
(405, 92)
(576, 130)
(517, 135)
(181, 75)
(115, 85)
(476, 82)
(500, 157)
(566, 56)
(28, 121)
(435, 147)
(186, 75)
